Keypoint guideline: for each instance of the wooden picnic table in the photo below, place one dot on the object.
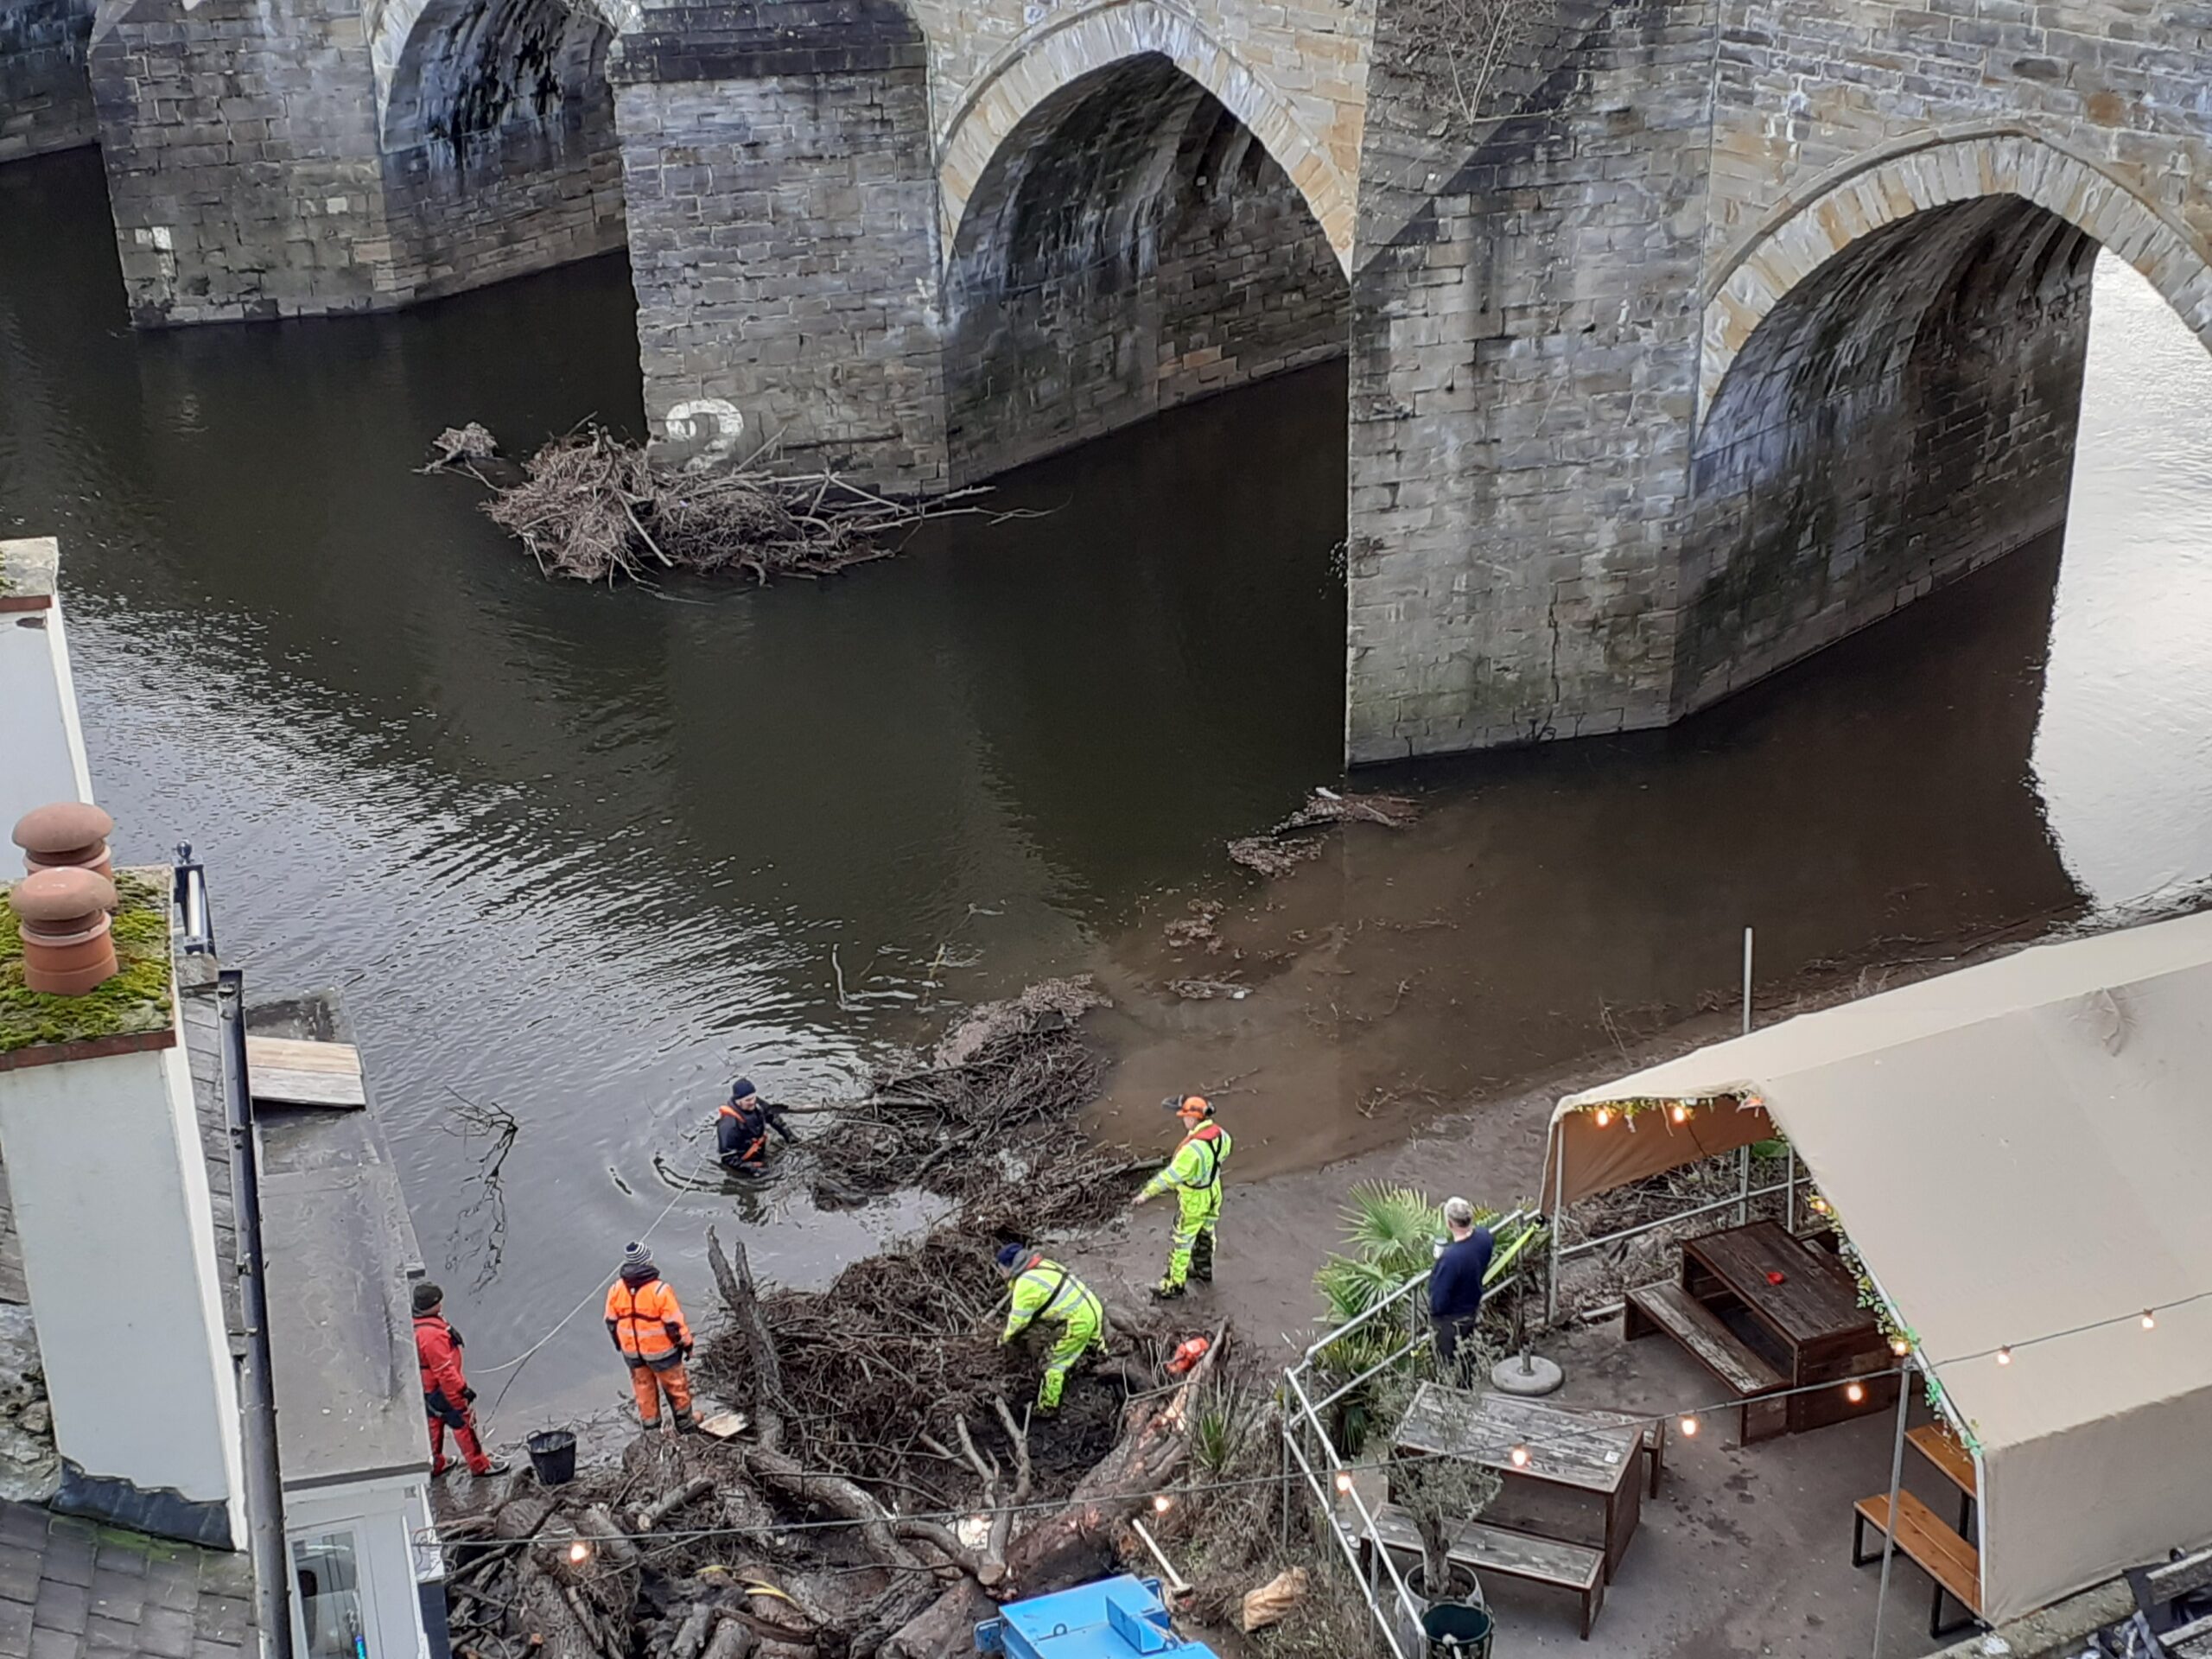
(1590, 1460)
(1812, 1317)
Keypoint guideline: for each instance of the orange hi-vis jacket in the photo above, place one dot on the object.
(648, 1325)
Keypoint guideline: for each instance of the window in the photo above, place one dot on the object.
(334, 1617)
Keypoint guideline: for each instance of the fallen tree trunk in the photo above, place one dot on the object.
(947, 1626)
(1155, 1443)
(733, 1277)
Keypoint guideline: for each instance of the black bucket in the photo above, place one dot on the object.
(553, 1455)
(1455, 1629)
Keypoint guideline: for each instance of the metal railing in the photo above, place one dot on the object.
(1303, 1426)
(1739, 1201)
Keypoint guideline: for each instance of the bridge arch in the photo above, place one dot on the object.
(1889, 385)
(1875, 192)
(445, 69)
(1065, 50)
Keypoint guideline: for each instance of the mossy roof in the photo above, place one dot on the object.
(134, 1003)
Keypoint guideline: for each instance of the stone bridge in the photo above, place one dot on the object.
(1715, 330)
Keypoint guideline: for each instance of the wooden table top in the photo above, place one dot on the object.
(1565, 1447)
(1952, 1461)
(1816, 1297)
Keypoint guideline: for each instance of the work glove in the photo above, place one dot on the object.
(687, 1350)
(468, 1395)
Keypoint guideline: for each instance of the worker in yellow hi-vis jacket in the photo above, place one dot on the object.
(1046, 1291)
(1194, 1175)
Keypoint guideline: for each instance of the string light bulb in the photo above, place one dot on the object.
(1820, 1205)
(1520, 1456)
(2004, 1355)
(1899, 1346)
(1343, 1480)
(1680, 1113)
(1854, 1392)
(1161, 1504)
(2150, 1320)
(1604, 1117)
(1689, 1425)
(580, 1552)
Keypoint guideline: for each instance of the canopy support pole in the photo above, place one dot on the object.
(1897, 1479)
(1559, 1223)
(1743, 1154)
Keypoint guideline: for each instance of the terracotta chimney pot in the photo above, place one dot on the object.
(67, 833)
(63, 915)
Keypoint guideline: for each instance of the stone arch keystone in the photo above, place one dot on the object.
(1064, 48)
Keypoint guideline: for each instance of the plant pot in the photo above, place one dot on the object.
(1457, 1631)
(1441, 1621)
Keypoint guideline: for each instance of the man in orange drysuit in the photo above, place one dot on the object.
(446, 1395)
(650, 1333)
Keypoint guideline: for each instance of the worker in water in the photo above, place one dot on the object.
(1044, 1292)
(741, 1131)
(649, 1331)
(446, 1395)
(1194, 1176)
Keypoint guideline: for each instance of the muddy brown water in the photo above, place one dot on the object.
(589, 854)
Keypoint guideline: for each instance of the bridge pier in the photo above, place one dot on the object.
(783, 236)
(1523, 389)
(286, 159)
(45, 101)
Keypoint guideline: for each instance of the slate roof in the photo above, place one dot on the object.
(72, 1590)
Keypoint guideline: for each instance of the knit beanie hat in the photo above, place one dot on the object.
(740, 1089)
(1011, 1254)
(637, 1261)
(428, 1296)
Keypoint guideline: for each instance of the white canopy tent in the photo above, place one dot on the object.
(2021, 1155)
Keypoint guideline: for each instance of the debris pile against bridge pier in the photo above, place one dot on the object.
(591, 506)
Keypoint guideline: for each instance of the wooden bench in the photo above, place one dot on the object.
(1949, 1560)
(1670, 1309)
(2190, 1640)
(1508, 1555)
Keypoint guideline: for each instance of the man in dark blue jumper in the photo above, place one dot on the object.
(1455, 1285)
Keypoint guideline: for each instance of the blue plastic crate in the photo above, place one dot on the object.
(1113, 1618)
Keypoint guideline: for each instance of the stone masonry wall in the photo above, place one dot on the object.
(46, 99)
(782, 212)
(530, 197)
(248, 180)
(1183, 262)
(1807, 92)
(1523, 380)
(1902, 418)
(240, 144)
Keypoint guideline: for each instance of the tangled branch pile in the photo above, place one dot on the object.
(590, 506)
(970, 1114)
(1286, 846)
(905, 1342)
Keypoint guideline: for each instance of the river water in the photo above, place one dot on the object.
(589, 854)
